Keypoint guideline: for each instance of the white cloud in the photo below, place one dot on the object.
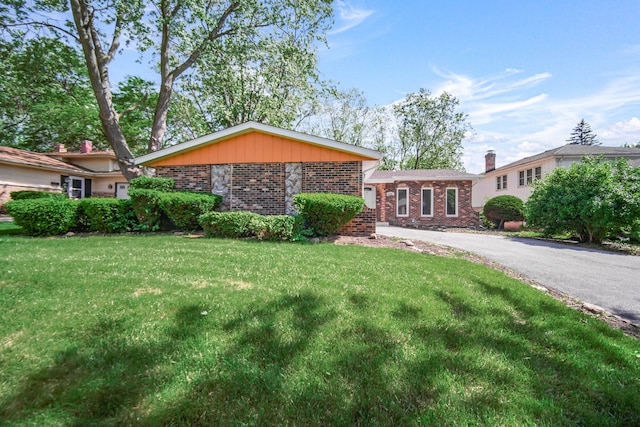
(349, 17)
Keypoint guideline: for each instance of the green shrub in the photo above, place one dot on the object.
(594, 200)
(44, 217)
(146, 205)
(274, 227)
(228, 224)
(504, 208)
(184, 208)
(325, 213)
(30, 194)
(152, 183)
(107, 215)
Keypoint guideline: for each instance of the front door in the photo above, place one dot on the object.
(122, 190)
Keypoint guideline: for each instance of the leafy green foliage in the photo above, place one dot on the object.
(107, 215)
(30, 194)
(44, 217)
(275, 227)
(152, 183)
(183, 208)
(146, 205)
(325, 213)
(228, 224)
(430, 131)
(504, 208)
(593, 199)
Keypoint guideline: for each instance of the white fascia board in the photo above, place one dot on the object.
(250, 126)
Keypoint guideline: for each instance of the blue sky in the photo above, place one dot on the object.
(526, 72)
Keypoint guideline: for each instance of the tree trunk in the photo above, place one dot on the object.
(97, 66)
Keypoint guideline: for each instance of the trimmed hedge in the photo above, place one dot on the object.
(152, 183)
(227, 224)
(504, 208)
(31, 194)
(275, 227)
(146, 205)
(325, 213)
(107, 215)
(44, 217)
(184, 208)
(240, 224)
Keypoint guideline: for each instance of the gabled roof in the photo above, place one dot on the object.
(38, 160)
(248, 127)
(420, 175)
(575, 151)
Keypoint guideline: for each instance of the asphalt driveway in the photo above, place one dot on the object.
(605, 279)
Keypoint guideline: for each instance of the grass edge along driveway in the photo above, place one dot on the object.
(160, 329)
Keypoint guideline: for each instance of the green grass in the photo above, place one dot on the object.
(8, 228)
(167, 330)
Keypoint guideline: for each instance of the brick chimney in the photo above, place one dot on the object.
(86, 147)
(490, 161)
(60, 148)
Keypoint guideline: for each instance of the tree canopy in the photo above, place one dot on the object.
(430, 131)
(179, 34)
(583, 135)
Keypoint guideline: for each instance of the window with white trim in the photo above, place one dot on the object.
(402, 204)
(526, 177)
(501, 182)
(427, 201)
(452, 201)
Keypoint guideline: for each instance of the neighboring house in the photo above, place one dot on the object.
(516, 178)
(79, 174)
(259, 168)
(424, 198)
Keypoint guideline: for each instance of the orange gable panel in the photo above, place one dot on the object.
(256, 147)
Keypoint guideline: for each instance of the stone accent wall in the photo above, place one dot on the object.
(188, 178)
(386, 205)
(221, 184)
(258, 187)
(292, 185)
(327, 177)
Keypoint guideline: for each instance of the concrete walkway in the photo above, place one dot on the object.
(606, 279)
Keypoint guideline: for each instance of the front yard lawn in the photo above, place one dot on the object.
(167, 330)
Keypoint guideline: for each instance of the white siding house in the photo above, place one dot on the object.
(515, 178)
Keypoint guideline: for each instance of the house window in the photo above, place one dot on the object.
(526, 177)
(501, 182)
(427, 202)
(402, 208)
(452, 201)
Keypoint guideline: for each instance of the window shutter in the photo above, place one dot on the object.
(87, 187)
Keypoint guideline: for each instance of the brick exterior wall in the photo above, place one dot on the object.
(386, 205)
(188, 178)
(261, 187)
(361, 226)
(326, 177)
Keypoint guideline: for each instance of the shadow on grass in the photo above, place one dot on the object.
(288, 362)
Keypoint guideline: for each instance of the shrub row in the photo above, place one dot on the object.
(248, 224)
(45, 216)
(31, 194)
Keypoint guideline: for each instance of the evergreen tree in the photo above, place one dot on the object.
(582, 135)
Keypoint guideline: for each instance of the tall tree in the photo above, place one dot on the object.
(430, 131)
(582, 135)
(177, 32)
